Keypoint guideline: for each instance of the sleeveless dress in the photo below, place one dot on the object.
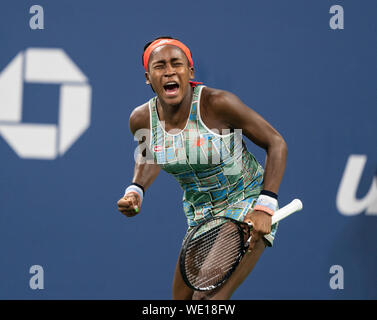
(217, 173)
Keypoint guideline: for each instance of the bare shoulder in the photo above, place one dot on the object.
(217, 99)
(220, 104)
(139, 118)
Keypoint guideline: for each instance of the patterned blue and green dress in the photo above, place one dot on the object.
(217, 173)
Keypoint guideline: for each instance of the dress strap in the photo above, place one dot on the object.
(195, 103)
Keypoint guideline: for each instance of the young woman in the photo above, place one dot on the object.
(190, 132)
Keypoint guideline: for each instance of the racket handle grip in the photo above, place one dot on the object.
(293, 206)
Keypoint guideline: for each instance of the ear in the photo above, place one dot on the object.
(192, 73)
(147, 81)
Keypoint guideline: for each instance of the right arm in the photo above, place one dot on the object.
(144, 173)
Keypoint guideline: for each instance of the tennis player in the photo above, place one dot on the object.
(190, 131)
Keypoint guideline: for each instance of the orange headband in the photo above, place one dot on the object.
(162, 42)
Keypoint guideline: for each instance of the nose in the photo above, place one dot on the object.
(169, 70)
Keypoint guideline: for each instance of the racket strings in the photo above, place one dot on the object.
(219, 265)
(231, 245)
(212, 270)
(212, 253)
(211, 277)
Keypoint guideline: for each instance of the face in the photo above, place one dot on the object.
(169, 74)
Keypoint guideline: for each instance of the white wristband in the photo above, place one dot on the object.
(266, 203)
(133, 188)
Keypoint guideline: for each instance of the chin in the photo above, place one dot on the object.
(173, 100)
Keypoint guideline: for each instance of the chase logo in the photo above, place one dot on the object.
(46, 66)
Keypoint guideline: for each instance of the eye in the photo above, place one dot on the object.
(158, 66)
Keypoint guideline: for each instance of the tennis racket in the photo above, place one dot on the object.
(214, 248)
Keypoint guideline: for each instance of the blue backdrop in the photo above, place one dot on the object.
(316, 85)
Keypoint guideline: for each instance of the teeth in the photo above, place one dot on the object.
(169, 83)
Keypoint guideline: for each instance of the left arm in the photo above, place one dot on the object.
(236, 115)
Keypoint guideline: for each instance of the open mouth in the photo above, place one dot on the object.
(171, 88)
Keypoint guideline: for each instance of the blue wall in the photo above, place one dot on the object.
(317, 86)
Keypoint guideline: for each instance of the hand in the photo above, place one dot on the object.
(129, 205)
(261, 222)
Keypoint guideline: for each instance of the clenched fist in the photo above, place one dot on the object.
(129, 205)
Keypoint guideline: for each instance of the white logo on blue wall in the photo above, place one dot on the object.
(346, 200)
(48, 66)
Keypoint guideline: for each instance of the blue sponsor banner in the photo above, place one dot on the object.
(70, 76)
